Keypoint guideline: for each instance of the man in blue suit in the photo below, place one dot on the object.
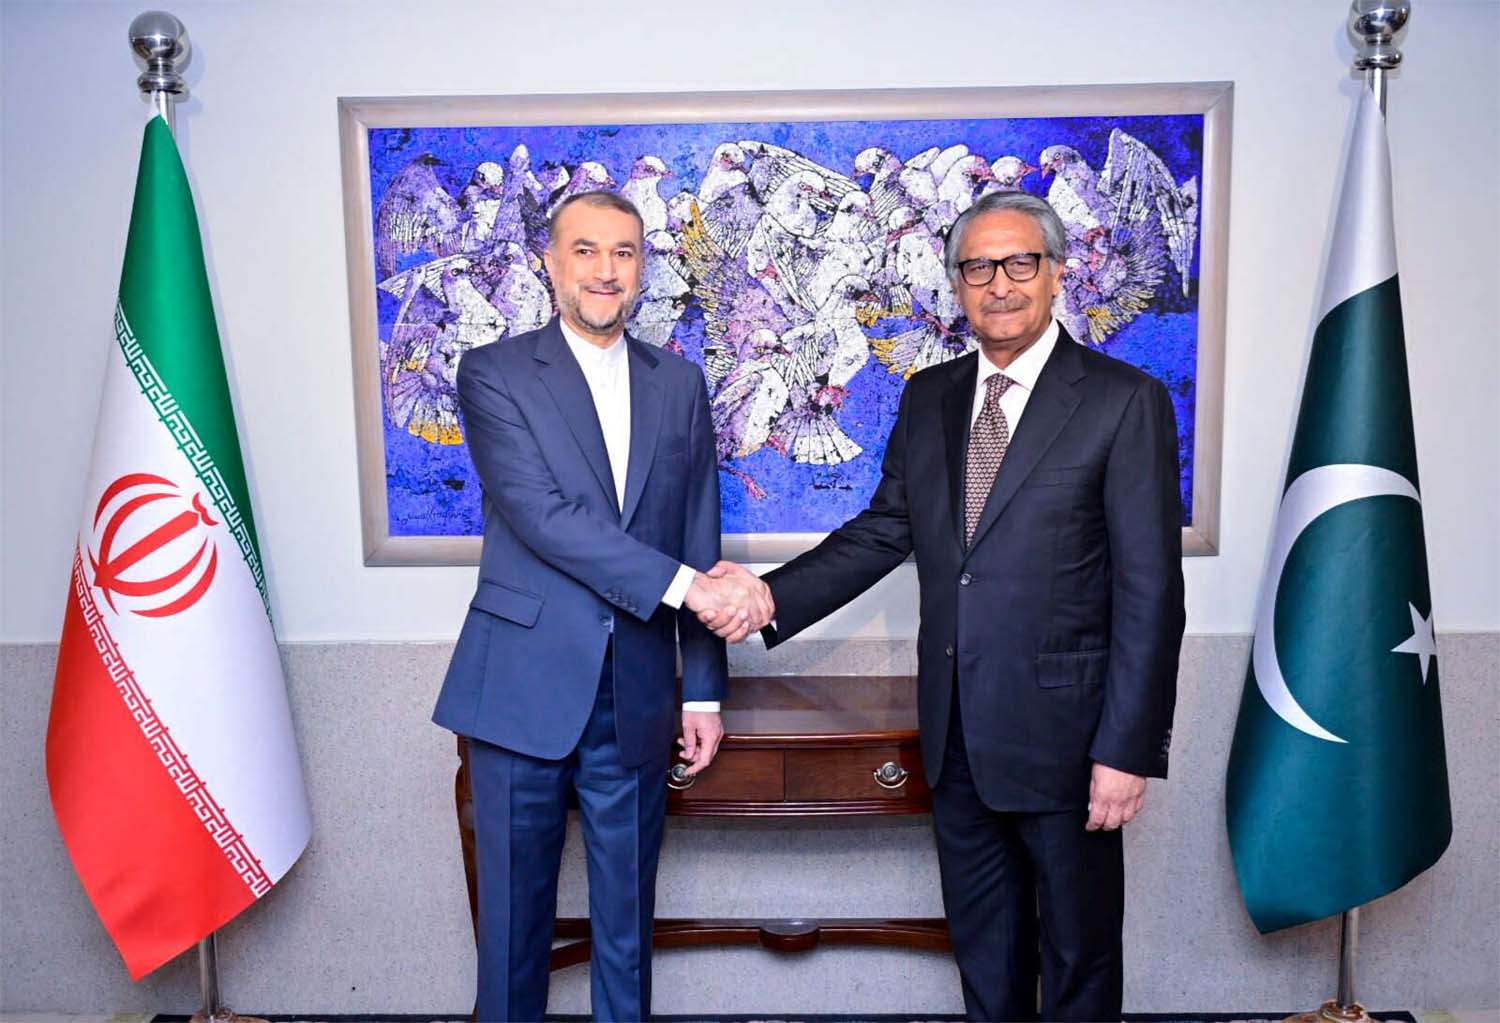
(601, 498)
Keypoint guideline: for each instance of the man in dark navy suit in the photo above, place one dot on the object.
(1036, 482)
(601, 498)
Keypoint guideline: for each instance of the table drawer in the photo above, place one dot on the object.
(746, 775)
(850, 774)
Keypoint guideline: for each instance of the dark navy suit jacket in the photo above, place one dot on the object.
(564, 567)
(1062, 622)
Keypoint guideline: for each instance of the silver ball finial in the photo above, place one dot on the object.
(160, 44)
(1375, 27)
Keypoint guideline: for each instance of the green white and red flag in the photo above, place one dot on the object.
(171, 760)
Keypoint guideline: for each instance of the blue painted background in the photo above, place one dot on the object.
(433, 490)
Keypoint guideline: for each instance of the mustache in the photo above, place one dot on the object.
(1004, 307)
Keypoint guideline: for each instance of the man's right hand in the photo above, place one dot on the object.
(731, 600)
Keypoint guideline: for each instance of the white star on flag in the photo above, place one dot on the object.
(1422, 642)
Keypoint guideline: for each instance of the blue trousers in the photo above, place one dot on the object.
(520, 817)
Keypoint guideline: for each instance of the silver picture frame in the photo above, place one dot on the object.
(358, 115)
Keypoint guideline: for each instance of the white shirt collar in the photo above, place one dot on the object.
(1028, 365)
(591, 355)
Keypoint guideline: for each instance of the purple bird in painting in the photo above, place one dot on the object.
(664, 293)
(589, 176)
(506, 277)
(1009, 172)
(510, 223)
(731, 218)
(443, 314)
(960, 183)
(479, 204)
(1142, 186)
(1125, 228)
(749, 397)
(883, 168)
(772, 165)
(778, 253)
(915, 261)
(416, 215)
(641, 189)
(733, 302)
(849, 246)
(726, 169)
(726, 201)
(823, 356)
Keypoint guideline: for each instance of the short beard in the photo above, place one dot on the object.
(602, 326)
(574, 308)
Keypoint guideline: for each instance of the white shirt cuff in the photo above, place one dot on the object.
(677, 591)
(701, 706)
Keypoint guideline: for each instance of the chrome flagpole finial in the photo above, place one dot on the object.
(1376, 28)
(160, 44)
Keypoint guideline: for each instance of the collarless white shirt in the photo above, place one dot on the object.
(607, 372)
(1023, 372)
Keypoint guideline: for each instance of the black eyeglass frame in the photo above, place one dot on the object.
(1006, 263)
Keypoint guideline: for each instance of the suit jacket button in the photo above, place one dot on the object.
(948, 651)
(965, 579)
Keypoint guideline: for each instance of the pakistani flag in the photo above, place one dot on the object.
(170, 756)
(1338, 787)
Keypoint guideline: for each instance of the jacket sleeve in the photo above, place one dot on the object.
(705, 671)
(1143, 517)
(853, 557)
(566, 535)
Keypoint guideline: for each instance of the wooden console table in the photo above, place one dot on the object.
(799, 746)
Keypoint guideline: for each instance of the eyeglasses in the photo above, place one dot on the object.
(1021, 267)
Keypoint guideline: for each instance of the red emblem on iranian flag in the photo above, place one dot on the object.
(154, 547)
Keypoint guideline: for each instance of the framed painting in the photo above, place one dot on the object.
(794, 253)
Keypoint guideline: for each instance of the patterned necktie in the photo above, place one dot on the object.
(988, 439)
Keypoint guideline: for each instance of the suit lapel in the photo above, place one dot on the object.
(645, 424)
(957, 404)
(1048, 410)
(563, 377)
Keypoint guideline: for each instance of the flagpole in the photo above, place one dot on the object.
(1375, 27)
(161, 47)
(208, 980)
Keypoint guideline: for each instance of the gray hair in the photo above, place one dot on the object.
(598, 197)
(1054, 235)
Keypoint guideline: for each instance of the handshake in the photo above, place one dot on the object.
(731, 600)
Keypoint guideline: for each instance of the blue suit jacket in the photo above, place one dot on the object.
(563, 565)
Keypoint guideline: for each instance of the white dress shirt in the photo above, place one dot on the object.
(607, 372)
(1022, 372)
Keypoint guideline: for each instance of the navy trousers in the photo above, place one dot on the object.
(520, 817)
(1023, 892)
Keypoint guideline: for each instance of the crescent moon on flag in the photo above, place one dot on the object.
(1312, 494)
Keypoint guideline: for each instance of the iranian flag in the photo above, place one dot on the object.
(1338, 784)
(171, 761)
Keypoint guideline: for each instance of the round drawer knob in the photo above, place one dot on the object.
(891, 775)
(679, 779)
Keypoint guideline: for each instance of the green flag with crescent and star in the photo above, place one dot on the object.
(1338, 786)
